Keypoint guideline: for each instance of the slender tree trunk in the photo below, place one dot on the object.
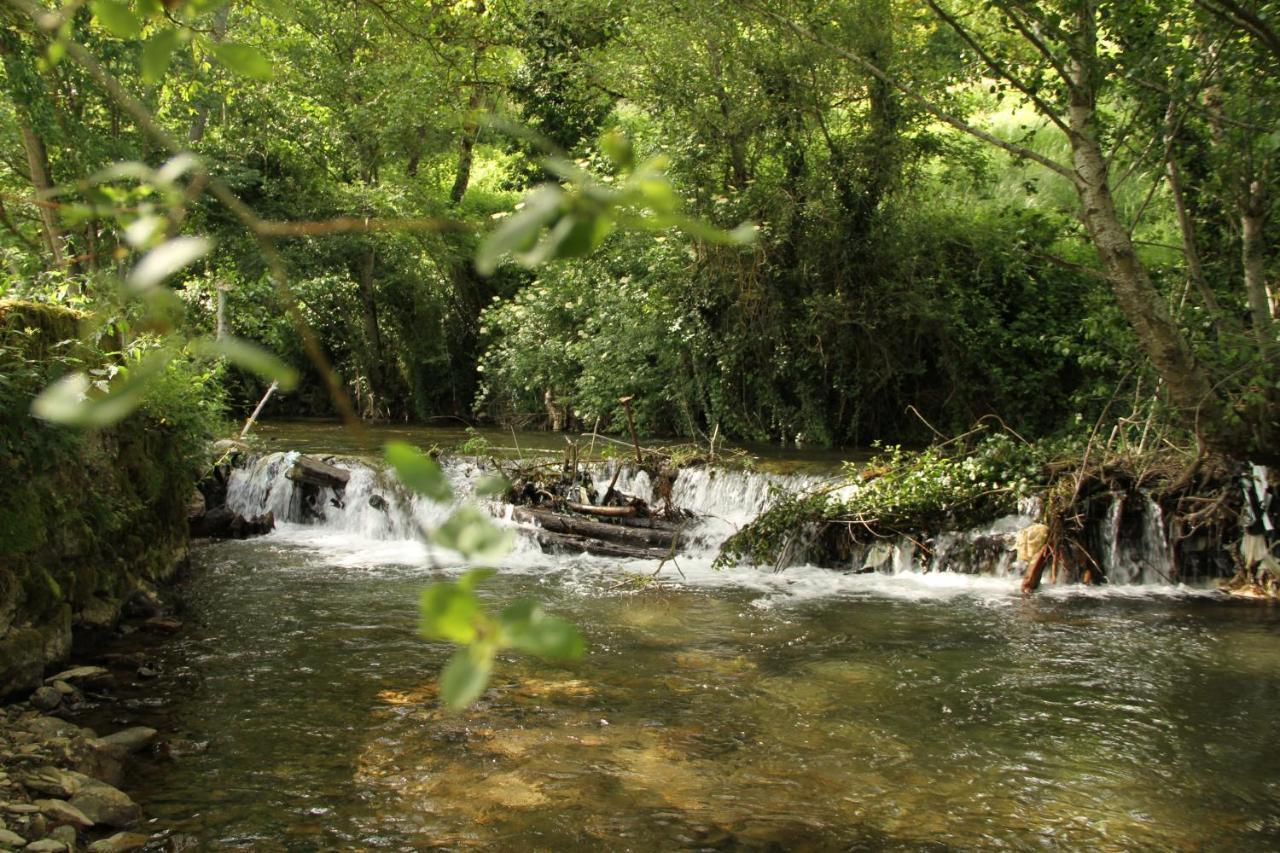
(369, 306)
(1159, 337)
(415, 151)
(470, 131)
(1186, 224)
(1253, 256)
(200, 123)
(38, 164)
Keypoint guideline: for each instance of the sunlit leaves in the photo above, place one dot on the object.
(527, 627)
(250, 356)
(418, 471)
(448, 611)
(465, 676)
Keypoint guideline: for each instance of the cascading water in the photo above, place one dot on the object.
(1131, 537)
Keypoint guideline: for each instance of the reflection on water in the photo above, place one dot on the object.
(716, 716)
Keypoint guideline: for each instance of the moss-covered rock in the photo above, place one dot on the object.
(86, 517)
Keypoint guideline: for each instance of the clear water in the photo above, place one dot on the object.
(731, 712)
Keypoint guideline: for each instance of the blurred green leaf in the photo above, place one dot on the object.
(616, 145)
(166, 259)
(418, 471)
(245, 60)
(250, 356)
(157, 53)
(116, 18)
(491, 485)
(530, 629)
(473, 534)
(465, 676)
(520, 230)
(448, 612)
(76, 400)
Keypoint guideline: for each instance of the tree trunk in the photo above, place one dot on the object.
(415, 151)
(201, 122)
(369, 308)
(1253, 256)
(38, 163)
(1143, 306)
(470, 131)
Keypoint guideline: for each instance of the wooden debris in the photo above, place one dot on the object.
(317, 473)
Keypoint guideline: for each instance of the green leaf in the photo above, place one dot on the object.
(418, 471)
(117, 18)
(448, 612)
(245, 60)
(465, 676)
(473, 534)
(528, 628)
(617, 147)
(470, 579)
(166, 259)
(250, 356)
(520, 230)
(75, 401)
(157, 53)
(491, 485)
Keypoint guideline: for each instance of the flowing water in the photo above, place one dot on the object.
(732, 710)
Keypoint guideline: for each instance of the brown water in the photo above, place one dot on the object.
(898, 714)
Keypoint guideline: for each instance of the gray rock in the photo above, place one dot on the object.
(121, 842)
(46, 698)
(19, 808)
(50, 727)
(45, 845)
(98, 759)
(64, 688)
(66, 834)
(83, 676)
(12, 839)
(54, 781)
(61, 812)
(102, 803)
(134, 739)
(99, 613)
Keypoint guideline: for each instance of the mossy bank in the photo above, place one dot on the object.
(87, 517)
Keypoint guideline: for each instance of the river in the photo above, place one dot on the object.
(730, 710)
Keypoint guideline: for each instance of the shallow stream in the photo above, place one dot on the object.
(734, 710)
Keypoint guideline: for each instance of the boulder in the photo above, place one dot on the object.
(134, 739)
(98, 759)
(121, 842)
(84, 676)
(46, 698)
(1030, 540)
(54, 781)
(102, 803)
(99, 613)
(63, 813)
(21, 661)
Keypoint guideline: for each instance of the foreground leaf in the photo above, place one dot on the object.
(418, 471)
(465, 676)
(250, 356)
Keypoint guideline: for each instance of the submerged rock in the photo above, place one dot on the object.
(102, 803)
(121, 842)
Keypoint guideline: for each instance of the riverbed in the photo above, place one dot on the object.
(727, 710)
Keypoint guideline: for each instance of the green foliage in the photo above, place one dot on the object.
(903, 492)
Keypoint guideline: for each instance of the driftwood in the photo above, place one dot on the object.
(603, 511)
(1035, 571)
(652, 536)
(552, 541)
(317, 473)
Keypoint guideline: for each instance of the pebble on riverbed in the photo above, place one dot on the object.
(57, 779)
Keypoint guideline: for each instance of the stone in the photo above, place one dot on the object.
(99, 613)
(84, 676)
(134, 739)
(51, 727)
(98, 759)
(121, 842)
(46, 698)
(54, 781)
(64, 688)
(21, 661)
(66, 834)
(46, 845)
(61, 812)
(11, 839)
(162, 625)
(102, 803)
(19, 808)
(143, 604)
(1030, 540)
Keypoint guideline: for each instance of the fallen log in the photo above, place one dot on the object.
(552, 541)
(1031, 580)
(637, 537)
(317, 473)
(603, 511)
